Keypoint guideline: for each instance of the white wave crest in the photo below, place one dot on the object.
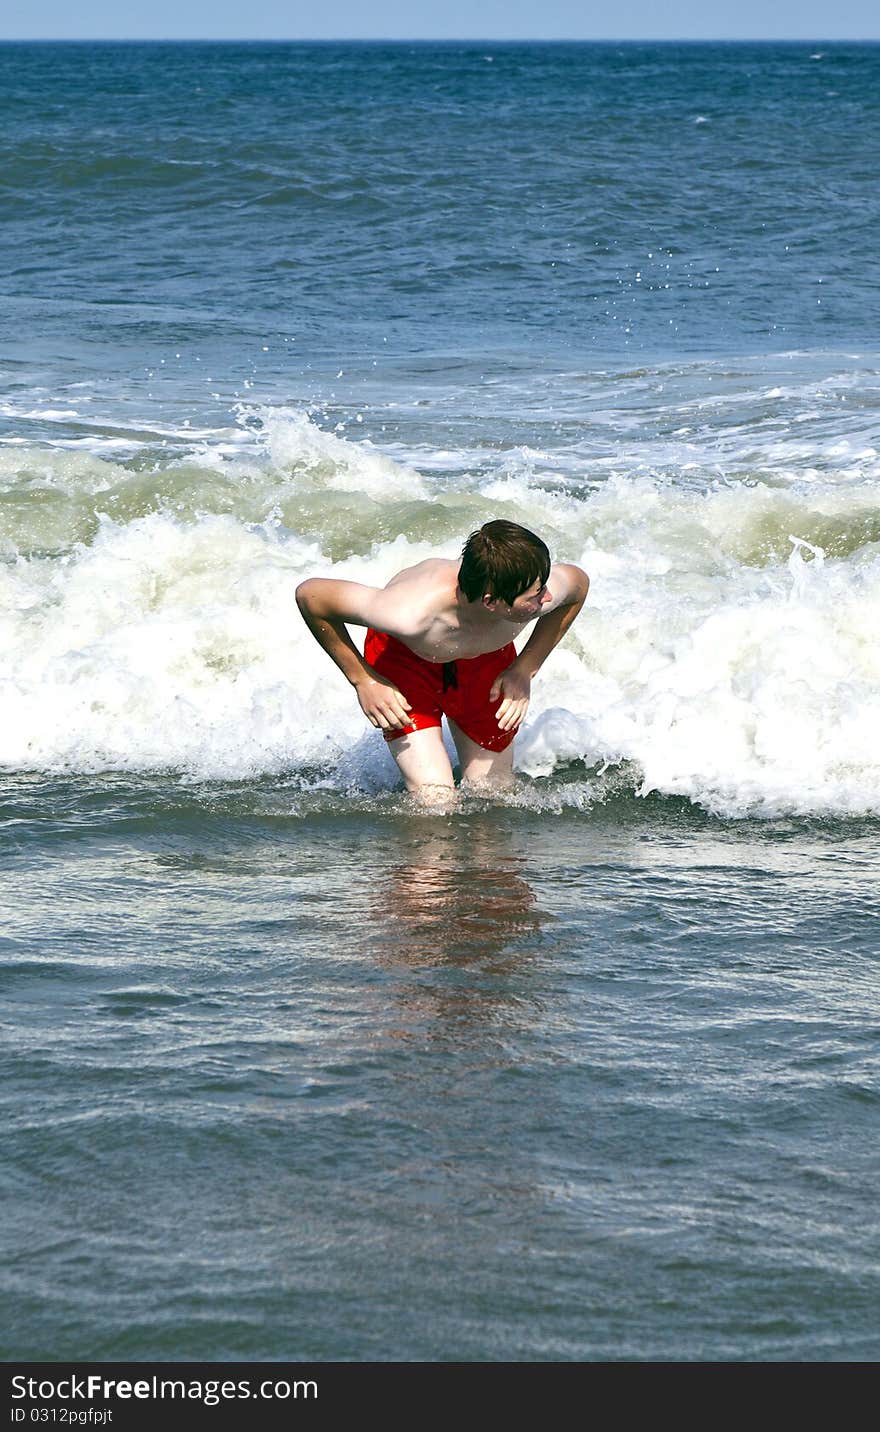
(315, 459)
(727, 652)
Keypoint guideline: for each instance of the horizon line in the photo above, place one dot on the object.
(437, 40)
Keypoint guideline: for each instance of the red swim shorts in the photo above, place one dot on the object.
(457, 689)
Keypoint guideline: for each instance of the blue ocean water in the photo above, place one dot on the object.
(292, 1070)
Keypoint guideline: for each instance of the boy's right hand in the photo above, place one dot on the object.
(381, 702)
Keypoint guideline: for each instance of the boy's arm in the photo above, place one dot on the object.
(514, 683)
(326, 606)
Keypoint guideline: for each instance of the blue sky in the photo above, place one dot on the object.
(460, 19)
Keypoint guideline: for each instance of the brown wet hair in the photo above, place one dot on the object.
(502, 560)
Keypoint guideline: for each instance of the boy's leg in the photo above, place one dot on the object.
(479, 766)
(422, 761)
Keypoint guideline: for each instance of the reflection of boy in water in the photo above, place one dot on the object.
(436, 910)
(439, 643)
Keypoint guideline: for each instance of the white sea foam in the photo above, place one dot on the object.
(319, 460)
(727, 653)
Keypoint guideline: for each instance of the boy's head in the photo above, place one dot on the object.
(501, 561)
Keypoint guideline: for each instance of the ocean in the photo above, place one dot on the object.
(293, 1069)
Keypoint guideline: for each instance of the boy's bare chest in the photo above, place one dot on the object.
(444, 641)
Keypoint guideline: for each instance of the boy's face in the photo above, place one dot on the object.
(526, 606)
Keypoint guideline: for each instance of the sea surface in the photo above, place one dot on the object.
(292, 1069)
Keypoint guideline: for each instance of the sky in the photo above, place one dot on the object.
(441, 19)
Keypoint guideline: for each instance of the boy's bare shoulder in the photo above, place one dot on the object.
(433, 571)
(415, 597)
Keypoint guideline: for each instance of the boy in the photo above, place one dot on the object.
(439, 642)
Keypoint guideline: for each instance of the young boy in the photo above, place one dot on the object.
(440, 642)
